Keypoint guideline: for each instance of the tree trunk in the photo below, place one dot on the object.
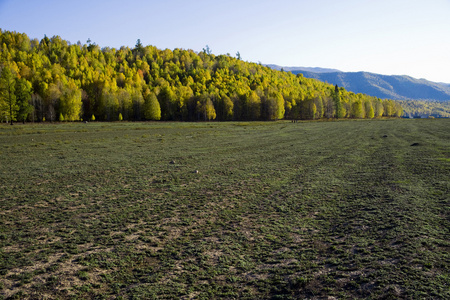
(10, 113)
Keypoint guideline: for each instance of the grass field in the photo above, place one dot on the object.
(318, 210)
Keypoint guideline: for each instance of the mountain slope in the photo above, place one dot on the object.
(384, 86)
(297, 70)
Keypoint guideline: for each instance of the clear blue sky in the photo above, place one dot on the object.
(402, 37)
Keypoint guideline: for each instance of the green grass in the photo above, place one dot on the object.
(276, 210)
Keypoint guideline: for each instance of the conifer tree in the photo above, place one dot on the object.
(337, 103)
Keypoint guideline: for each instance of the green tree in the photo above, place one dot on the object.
(183, 94)
(23, 96)
(125, 103)
(139, 47)
(269, 108)
(398, 110)
(253, 105)
(357, 110)
(337, 102)
(224, 108)
(370, 113)
(313, 110)
(205, 107)
(319, 106)
(52, 95)
(379, 109)
(109, 105)
(207, 50)
(7, 93)
(280, 106)
(388, 108)
(138, 104)
(168, 101)
(227, 108)
(152, 109)
(70, 102)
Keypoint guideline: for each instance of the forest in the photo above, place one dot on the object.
(53, 80)
(425, 109)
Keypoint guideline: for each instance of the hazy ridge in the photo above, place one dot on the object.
(397, 87)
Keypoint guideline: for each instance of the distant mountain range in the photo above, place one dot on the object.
(297, 70)
(382, 86)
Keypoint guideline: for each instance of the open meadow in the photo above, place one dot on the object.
(250, 210)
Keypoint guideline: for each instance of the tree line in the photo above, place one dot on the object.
(53, 80)
(425, 109)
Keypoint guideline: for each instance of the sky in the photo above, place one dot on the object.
(391, 37)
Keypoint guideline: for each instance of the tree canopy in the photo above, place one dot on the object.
(76, 81)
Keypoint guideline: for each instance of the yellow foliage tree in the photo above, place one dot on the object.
(70, 103)
(152, 109)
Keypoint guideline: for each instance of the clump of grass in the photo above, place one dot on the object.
(83, 275)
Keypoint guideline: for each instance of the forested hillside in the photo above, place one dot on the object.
(384, 86)
(425, 109)
(53, 80)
